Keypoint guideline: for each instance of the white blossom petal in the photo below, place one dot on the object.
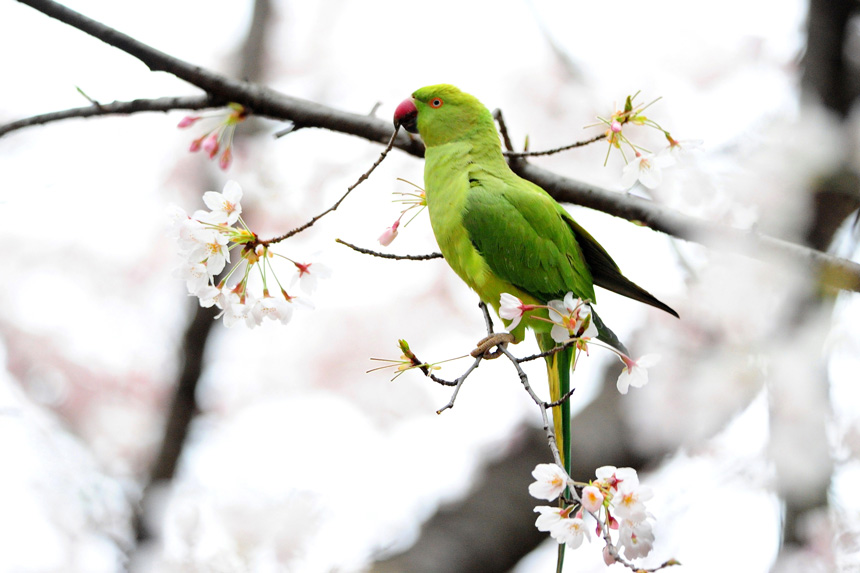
(551, 481)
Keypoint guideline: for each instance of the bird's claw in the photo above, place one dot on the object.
(499, 340)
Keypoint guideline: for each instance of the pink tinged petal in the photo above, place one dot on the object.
(634, 372)
(511, 308)
(389, 235)
(308, 275)
(592, 499)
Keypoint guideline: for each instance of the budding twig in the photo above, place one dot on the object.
(337, 203)
(389, 255)
(573, 145)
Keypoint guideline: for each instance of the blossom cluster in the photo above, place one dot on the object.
(645, 167)
(205, 240)
(571, 320)
(615, 500)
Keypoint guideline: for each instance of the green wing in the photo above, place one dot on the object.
(521, 233)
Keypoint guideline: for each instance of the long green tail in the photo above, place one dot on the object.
(558, 373)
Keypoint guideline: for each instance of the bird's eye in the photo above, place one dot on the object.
(435, 102)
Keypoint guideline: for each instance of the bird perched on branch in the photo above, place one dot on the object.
(503, 234)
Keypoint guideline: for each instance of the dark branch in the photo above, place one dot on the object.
(835, 272)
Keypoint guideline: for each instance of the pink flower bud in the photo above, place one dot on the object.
(592, 498)
(210, 145)
(226, 159)
(607, 557)
(615, 126)
(389, 235)
(195, 145)
(188, 121)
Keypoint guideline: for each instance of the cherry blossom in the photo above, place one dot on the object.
(645, 168)
(628, 502)
(309, 274)
(275, 308)
(551, 481)
(548, 517)
(211, 247)
(636, 538)
(511, 308)
(225, 205)
(575, 319)
(571, 531)
(678, 149)
(240, 309)
(634, 372)
(592, 499)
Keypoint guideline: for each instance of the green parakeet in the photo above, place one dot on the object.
(503, 234)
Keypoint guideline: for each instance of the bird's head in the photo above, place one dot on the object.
(442, 114)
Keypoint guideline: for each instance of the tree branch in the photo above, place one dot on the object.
(259, 99)
(163, 104)
(835, 272)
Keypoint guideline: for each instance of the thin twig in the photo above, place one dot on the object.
(458, 383)
(488, 320)
(557, 149)
(334, 207)
(428, 257)
(550, 352)
(163, 104)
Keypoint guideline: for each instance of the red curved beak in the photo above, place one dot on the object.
(406, 115)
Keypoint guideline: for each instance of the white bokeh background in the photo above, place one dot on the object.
(298, 460)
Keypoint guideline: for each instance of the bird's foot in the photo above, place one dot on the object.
(499, 340)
